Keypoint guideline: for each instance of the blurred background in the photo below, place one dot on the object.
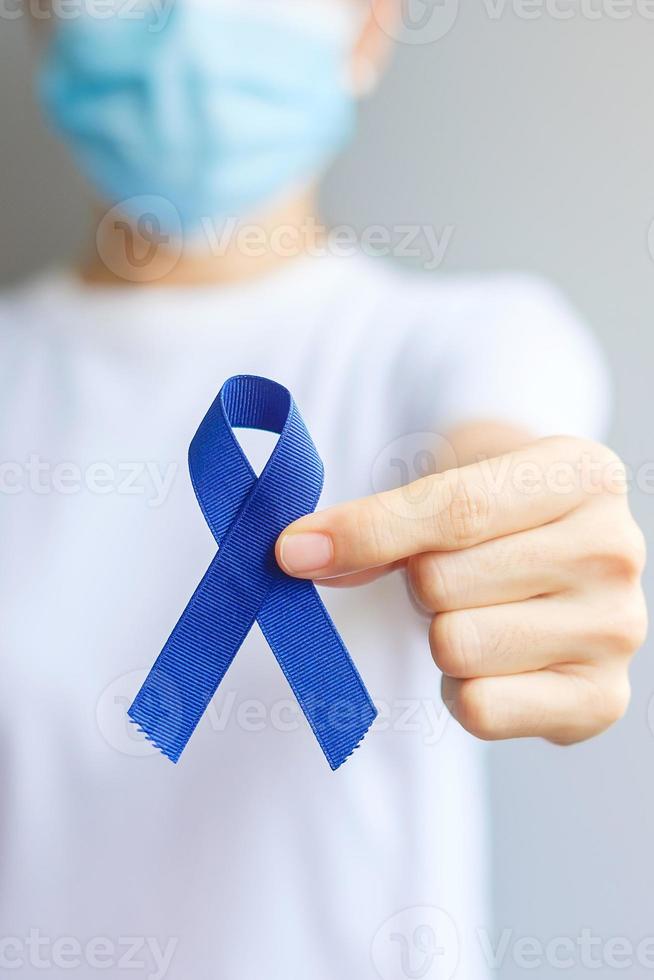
(525, 137)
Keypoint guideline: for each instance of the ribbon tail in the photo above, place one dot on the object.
(317, 666)
(187, 672)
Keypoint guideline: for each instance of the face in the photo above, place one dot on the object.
(219, 151)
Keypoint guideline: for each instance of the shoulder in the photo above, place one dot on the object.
(504, 314)
(508, 346)
(475, 301)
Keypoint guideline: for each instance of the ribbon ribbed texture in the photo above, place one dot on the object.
(243, 583)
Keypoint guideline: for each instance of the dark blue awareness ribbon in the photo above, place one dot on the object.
(243, 583)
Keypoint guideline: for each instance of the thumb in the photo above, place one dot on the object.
(373, 533)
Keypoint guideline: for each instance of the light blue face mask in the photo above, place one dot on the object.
(217, 112)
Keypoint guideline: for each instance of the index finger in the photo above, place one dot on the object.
(445, 512)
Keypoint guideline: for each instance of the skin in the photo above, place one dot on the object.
(532, 592)
(532, 586)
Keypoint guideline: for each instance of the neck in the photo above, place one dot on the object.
(129, 253)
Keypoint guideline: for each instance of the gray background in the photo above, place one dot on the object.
(535, 140)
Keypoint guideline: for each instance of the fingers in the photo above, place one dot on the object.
(445, 512)
(520, 636)
(518, 567)
(357, 579)
(562, 706)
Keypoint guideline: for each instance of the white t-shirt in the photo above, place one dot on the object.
(250, 858)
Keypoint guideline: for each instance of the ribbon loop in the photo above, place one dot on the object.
(243, 583)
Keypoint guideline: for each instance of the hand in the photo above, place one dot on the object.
(530, 564)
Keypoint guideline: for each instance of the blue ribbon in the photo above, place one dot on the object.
(244, 583)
